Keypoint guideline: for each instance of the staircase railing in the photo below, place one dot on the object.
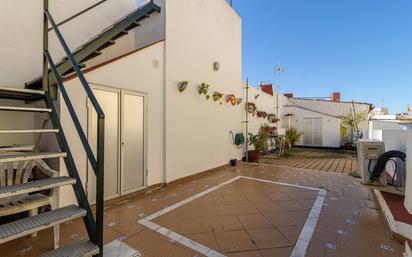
(94, 227)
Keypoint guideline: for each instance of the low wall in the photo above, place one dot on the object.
(408, 189)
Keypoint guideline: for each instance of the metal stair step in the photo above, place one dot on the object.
(30, 225)
(35, 186)
(12, 90)
(16, 148)
(29, 156)
(24, 109)
(81, 248)
(20, 131)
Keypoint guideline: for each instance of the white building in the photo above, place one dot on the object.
(320, 118)
(154, 133)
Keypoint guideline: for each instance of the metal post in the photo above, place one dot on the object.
(247, 119)
(45, 46)
(100, 184)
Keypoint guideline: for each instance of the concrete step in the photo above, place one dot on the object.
(81, 248)
(35, 186)
(30, 225)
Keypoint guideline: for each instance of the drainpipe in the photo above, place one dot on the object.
(247, 119)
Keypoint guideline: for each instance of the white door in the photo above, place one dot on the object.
(312, 128)
(133, 163)
(109, 100)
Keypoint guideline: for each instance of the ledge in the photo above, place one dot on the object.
(398, 218)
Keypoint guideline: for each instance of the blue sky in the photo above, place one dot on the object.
(362, 48)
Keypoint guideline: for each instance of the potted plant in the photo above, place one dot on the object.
(251, 108)
(259, 142)
(232, 99)
(272, 118)
(270, 130)
(183, 86)
(262, 114)
(204, 89)
(217, 96)
(292, 136)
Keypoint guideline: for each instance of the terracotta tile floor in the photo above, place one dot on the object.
(243, 218)
(338, 165)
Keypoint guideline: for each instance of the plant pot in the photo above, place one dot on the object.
(254, 156)
(233, 162)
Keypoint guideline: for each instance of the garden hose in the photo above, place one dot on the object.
(381, 163)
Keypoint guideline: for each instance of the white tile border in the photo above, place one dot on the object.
(117, 248)
(298, 251)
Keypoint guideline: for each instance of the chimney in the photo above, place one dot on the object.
(335, 97)
(268, 89)
(289, 95)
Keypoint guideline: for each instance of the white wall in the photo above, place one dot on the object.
(395, 140)
(198, 33)
(334, 108)
(408, 189)
(330, 125)
(22, 23)
(16, 120)
(141, 72)
(152, 29)
(264, 102)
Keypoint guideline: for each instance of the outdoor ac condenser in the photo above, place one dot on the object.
(369, 152)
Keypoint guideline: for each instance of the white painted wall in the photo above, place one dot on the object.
(408, 189)
(330, 125)
(142, 72)
(395, 140)
(198, 33)
(264, 102)
(153, 29)
(333, 108)
(22, 22)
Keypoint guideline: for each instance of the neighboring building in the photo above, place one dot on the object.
(380, 121)
(320, 118)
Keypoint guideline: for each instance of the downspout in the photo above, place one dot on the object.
(164, 177)
(247, 120)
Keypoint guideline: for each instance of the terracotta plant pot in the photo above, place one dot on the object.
(254, 156)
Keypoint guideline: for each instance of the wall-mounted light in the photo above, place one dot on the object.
(216, 66)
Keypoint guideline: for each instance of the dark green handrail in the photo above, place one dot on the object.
(95, 229)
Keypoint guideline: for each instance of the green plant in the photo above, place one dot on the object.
(352, 120)
(262, 114)
(292, 136)
(251, 108)
(259, 141)
(217, 96)
(204, 89)
(272, 118)
(344, 131)
(183, 86)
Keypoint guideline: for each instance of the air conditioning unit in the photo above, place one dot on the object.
(369, 152)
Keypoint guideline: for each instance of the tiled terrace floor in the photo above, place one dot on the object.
(244, 218)
(338, 165)
(338, 161)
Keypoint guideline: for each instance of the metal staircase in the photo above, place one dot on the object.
(95, 45)
(38, 91)
(27, 226)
